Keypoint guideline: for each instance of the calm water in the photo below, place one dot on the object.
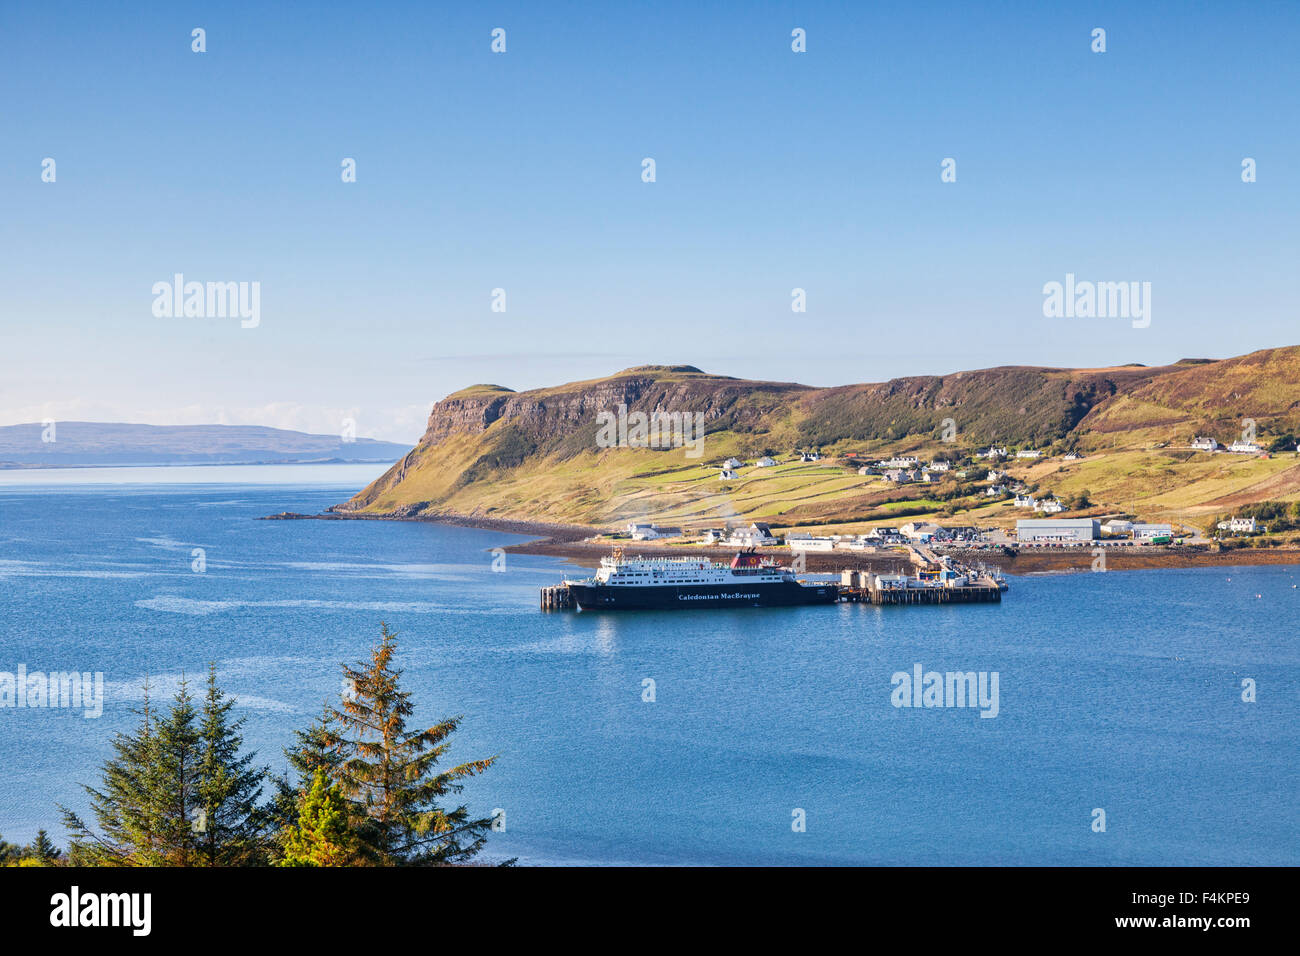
(1120, 691)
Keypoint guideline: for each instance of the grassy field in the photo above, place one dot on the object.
(617, 486)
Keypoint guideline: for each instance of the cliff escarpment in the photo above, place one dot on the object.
(539, 455)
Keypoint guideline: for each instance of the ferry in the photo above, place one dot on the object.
(656, 583)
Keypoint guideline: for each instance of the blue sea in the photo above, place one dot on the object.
(771, 737)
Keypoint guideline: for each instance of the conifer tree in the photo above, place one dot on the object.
(170, 778)
(121, 804)
(43, 849)
(391, 775)
(314, 749)
(176, 792)
(322, 834)
(230, 826)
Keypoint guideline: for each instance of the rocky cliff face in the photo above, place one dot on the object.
(490, 450)
(469, 415)
(554, 413)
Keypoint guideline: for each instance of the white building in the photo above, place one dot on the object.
(811, 544)
(810, 456)
(992, 452)
(1145, 532)
(993, 491)
(1024, 501)
(765, 462)
(899, 476)
(1117, 526)
(1245, 448)
(1202, 443)
(1072, 456)
(1049, 506)
(649, 532)
(1029, 453)
(728, 475)
(1243, 526)
(732, 463)
(940, 466)
(918, 530)
(1049, 530)
(900, 461)
(756, 535)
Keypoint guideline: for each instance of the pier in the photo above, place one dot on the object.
(557, 598)
(982, 593)
(937, 581)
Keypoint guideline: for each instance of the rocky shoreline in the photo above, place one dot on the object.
(551, 532)
(570, 543)
(1038, 561)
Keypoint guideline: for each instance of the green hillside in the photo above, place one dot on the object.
(535, 455)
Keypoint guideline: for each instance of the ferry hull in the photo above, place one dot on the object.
(604, 597)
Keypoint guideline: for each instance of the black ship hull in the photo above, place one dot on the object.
(605, 597)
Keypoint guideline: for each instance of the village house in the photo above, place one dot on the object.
(993, 452)
(900, 461)
(732, 463)
(1240, 526)
(1202, 443)
(728, 475)
(919, 531)
(765, 462)
(994, 491)
(1245, 448)
(1049, 506)
(1024, 501)
(757, 534)
(649, 532)
(940, 466)
(1029, 453)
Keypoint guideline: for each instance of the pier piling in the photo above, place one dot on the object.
(558, 598)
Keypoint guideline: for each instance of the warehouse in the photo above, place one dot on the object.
(1049, 530)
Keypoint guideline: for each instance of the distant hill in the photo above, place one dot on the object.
(113, 443)
(533, 455)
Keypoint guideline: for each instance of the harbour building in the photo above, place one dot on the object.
(1050, 530)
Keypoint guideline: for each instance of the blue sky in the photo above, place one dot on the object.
(522, 171)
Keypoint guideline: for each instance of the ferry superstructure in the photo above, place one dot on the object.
(656, 583)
